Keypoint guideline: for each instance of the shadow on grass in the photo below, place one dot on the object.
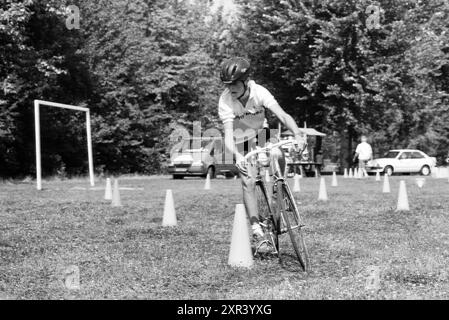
(290, 263)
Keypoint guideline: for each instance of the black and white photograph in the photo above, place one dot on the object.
(236, 151)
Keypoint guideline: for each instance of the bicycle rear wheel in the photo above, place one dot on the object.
(268, 222)
(291, 220)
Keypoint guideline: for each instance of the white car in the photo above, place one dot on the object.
(403, 161)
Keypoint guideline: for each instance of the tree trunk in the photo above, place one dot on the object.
(345, 148)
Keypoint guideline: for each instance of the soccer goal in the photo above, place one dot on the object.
(37, 104)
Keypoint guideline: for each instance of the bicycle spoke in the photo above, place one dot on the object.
(293, 225)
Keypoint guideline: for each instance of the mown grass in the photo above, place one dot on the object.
(124, 253)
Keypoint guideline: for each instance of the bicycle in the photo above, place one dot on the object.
(278, 217)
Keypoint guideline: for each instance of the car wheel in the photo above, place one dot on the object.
(178, 176)
(425, 170)
(211, 172)
(388, 170)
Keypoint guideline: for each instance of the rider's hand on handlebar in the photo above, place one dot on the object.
(241, 164)
(300, 144)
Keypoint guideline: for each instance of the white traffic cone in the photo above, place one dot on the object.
(207, 184)
(116, 201)
(420, 182)
(322, 196)
(386, 186)
(345, 174)
(402, 198)
(350, 174)
(235, 177)
(240, 254)
(169, 218)
(377, 175)
(334, 180)
(296, 186)
(108, 190)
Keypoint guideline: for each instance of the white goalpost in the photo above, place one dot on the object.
(37, 104)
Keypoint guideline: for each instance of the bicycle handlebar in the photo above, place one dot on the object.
(268, 148)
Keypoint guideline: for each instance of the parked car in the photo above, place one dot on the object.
(403, 161)
(208, 161)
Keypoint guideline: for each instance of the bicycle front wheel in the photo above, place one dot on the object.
(291, 220)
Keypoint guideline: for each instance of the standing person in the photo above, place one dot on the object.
(241, 108)
(364, 153)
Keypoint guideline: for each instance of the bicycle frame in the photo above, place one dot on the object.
(274, 162)
(277, 174)
(281, 188)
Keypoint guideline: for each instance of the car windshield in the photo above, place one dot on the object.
(391, 154)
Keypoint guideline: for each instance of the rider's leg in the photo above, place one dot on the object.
(278, 154)
(249, 192)
(249, 195)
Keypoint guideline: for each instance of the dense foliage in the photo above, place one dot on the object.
(144, 67)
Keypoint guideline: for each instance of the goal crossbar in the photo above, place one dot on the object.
(37, 104)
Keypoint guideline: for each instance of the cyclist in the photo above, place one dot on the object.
(241, 108)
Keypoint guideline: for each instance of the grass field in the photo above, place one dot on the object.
(124, 253)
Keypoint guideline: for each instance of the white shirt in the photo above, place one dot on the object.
(364, 151)
(248, 119)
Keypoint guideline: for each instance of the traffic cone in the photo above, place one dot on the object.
(323, 193)
(334, 180)
(386, 187)
(350, 174)
(108, 190)
(296, 187)
(116, 202)
(240, 254)
(345, 174)
(316, 173)
(420, 182)
(402, 198)
(378, 176)
(207, 184)
(169, 218)
(235, 177)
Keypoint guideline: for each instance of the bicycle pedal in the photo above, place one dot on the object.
(271, 247)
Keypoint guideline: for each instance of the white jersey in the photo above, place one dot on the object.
(364, 151)
(248, 119)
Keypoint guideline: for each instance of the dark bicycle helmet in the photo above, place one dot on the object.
(234, 69)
